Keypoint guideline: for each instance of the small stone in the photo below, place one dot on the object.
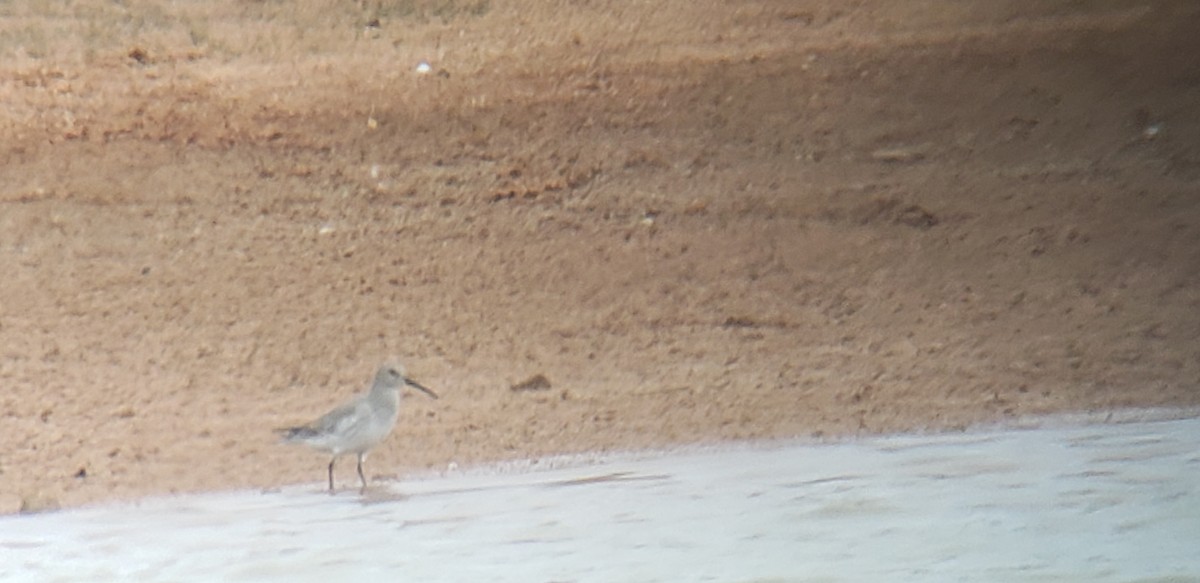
(537, 382)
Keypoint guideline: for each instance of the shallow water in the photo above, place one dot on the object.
(1090, 503)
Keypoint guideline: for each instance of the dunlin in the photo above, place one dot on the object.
(360, 424)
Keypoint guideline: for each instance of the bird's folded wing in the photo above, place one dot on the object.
(345, 420)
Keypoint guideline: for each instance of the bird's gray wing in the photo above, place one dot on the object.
(345, 420)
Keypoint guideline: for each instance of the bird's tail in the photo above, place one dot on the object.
(291, 434)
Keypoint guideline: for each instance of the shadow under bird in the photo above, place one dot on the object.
(361, 423)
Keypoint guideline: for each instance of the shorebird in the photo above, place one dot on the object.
(361, 423)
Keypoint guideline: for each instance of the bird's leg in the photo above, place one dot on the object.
(331, 460)
(361, 478)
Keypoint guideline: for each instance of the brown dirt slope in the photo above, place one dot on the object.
(699, 220)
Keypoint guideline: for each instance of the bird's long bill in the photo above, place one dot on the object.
(420, 387)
